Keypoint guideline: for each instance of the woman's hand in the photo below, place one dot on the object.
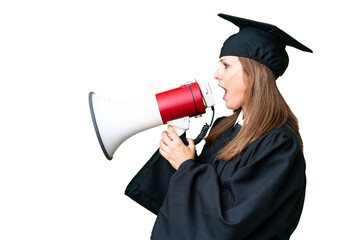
(174, 150)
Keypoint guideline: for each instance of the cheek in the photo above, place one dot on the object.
(237, 100)
(238, 95)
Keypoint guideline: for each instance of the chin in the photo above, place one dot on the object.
(228, 106)
(232, 107)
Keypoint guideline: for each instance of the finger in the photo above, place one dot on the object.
(163, 146)
(163, 153)
(164, 149)
(172, 134)
(166, 138)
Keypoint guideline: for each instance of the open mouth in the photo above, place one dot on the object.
(224, 90)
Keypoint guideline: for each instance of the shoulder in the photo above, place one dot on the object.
(279, 135)
(278, 144)
(218, 120)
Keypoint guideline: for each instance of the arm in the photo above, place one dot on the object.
(150, 185)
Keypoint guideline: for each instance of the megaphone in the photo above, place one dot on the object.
(116, 121)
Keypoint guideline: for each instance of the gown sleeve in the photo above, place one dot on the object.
(150, 185)
(262, 199)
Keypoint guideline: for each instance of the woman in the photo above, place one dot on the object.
(249, 181)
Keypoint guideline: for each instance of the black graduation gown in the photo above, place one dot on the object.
(257, 195)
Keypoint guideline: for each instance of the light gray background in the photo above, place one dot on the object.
(55, 182)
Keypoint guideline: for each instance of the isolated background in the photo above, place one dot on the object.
(55, 182)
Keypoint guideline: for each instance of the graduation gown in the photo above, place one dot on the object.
(257, 195)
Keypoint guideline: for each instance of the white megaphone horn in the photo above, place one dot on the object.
(116, 121)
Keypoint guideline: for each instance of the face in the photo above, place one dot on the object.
(232, 79)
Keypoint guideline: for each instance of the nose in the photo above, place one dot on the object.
(216, 75)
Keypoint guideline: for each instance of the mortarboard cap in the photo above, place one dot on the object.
(262, 42)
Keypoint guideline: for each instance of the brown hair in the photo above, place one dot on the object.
(266, 111)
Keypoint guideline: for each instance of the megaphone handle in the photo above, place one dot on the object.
(180, 125)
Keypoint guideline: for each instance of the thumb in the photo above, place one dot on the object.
(191, 143)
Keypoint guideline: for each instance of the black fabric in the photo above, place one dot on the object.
(257, 195)
(262, 42)
(149, 190)
(150, 185)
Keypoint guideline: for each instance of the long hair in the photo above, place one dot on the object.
(267, 110)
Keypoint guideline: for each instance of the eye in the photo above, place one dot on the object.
(226, 65)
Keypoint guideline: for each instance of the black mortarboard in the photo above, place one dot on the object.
(262, 42)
